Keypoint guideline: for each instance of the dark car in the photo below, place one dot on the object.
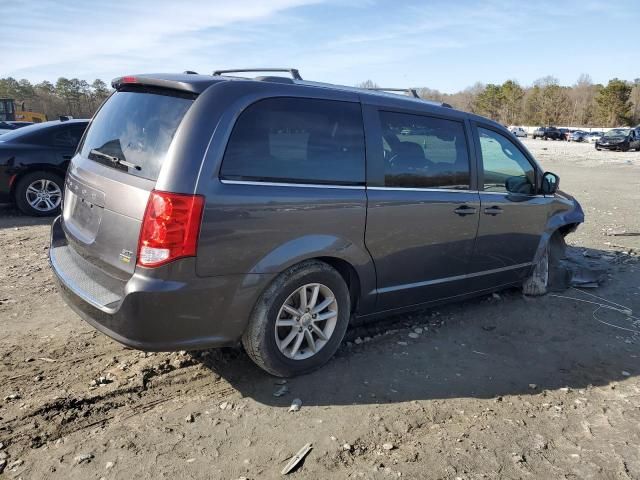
(201, 211)
(33, 163)
(565, 132)
(12, 125)
(623, 139)
(547, 133)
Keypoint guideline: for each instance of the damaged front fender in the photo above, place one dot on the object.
(566, 215)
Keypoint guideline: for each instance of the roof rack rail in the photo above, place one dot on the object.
(411, 91)
(295, 74)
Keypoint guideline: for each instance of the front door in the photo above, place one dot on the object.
(512, 214)
(422, 211)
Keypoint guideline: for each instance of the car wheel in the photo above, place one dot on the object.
(299, 321)
(39, 194)
(546, 272)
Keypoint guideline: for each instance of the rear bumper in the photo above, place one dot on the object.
(164, 309)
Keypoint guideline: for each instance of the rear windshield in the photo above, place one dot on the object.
(133, 130)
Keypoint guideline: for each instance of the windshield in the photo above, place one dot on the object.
(136, 128)
(617, 132)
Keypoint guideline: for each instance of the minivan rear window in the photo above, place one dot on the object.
(297, 140)
(136, 127)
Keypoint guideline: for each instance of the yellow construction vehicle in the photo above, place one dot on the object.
(9, 112)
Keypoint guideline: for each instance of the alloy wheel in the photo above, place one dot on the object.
(306, 321)
(43, 195)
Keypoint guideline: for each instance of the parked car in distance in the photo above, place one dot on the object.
(547, 133)
(622, 139)
(565, 132)
(7, 126)
(33, 163)
(201, 211)
(518, 131)
(578, 136)
(594, 136)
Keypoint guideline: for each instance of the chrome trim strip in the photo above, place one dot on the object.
(427, 283)
(287, 184)
(412, 189)
(507, 194)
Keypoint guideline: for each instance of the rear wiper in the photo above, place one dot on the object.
(114, 159)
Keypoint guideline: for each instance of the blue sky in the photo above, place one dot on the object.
(447, 45)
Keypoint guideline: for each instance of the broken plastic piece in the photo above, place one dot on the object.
(296, 459)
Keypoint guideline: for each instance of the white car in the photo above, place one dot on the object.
(518, 131)
(593, 137)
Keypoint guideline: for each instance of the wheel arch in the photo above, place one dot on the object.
(352, 261)
(563, 222)
(350, 277)
(33, 169)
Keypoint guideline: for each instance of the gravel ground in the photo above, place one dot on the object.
(498, 387)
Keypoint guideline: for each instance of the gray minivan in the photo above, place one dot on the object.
(201, 210)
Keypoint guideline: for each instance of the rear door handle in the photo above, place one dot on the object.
(464, 210)
(493, 211)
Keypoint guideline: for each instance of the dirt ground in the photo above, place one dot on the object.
(498, 387)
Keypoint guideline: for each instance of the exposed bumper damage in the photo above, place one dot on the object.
(562, 269)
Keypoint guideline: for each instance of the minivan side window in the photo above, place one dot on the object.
(506, 169)
(424, 152)
(297, 140)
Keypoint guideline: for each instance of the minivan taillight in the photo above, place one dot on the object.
(170, 228)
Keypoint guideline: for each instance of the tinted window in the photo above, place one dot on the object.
(297, 140)
(424, 152)
(68, 136)
(137, 127)
(506, 169)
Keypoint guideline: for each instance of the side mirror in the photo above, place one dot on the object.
(550, 183)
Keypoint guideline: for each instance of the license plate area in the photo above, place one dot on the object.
(83, 210)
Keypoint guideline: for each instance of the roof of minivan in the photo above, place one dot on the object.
(197, 83)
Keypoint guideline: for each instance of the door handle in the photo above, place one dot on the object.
(464, 210)
(67, 157)
(493, 211)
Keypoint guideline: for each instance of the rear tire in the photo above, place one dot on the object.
(272, 347)
(39, 194)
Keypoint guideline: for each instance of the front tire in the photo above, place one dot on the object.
(299, 321)
(39, 194)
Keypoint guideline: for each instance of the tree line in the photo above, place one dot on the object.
(546, 102)
(75, 97)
